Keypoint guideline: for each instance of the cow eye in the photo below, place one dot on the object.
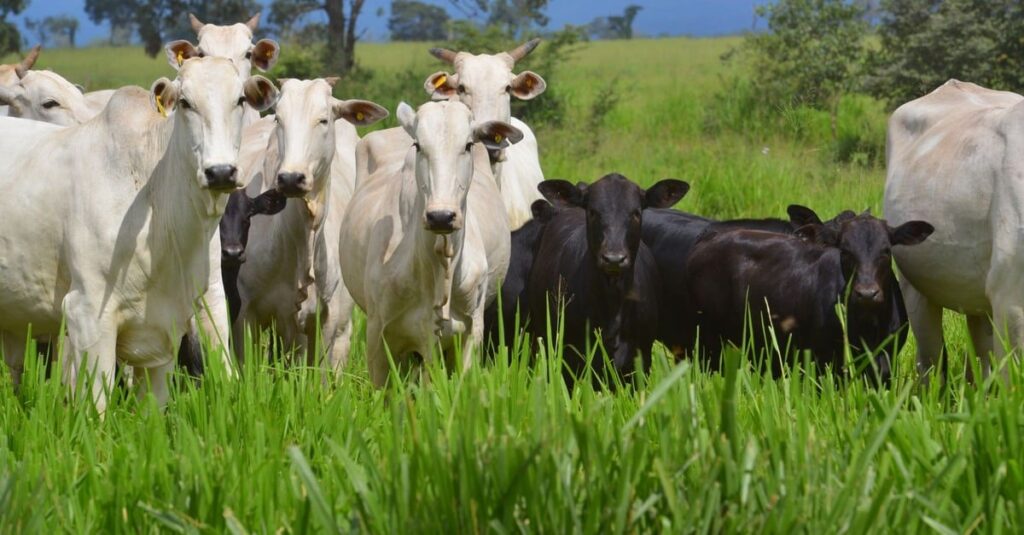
(248, 55)
(322, 121)
(508, 88)
(461, 89)
(50, 104)
(241, 101)
(469, 147)
(185, 105)
(416, 145)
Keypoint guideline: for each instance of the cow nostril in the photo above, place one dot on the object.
(220, 175)
(614, 258)
(870, 294)
(438, 218)
(291, 179)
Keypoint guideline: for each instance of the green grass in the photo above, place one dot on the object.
(505, 447)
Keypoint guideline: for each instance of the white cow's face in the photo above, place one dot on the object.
(48, 97)
(234, 42)
(486, 84)
(304, 129)
(208, 100)
(444, 135)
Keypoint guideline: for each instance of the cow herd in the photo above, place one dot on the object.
(138, 222)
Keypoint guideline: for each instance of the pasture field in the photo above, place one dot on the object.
(506, 447)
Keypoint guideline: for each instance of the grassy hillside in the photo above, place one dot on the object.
(505, 447)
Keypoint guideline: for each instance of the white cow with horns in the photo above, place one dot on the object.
(111, 222)
(485, 83)
(426, 245)
(955, 157)
(42, 95)
(292, 278)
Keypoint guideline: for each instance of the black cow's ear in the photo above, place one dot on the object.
(817, 233)
(665, 193)
(268, 203)
(563, 192)
(542, 210)
(910, 233)
(800, 215)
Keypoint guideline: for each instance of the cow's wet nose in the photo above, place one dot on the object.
(233, 253)
(440, 220)
(221, 177)
(291, 183)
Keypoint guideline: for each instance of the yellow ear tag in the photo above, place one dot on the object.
(160, 106)
(181, 57)
(359, 116)
(440, 81)
(498, 138)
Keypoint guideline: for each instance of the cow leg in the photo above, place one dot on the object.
(926, 323)
(980, 328)
(1005, 291)
(212, 318)
(376, 355)
(90, 350)
(475, 332)
(1008, 317)
(154, 380)
(14, 355)
(338, 332)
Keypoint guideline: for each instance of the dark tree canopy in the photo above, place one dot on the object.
(615, 26)
(513, 17)
(340, 30)
(10, 38)
(417, 21)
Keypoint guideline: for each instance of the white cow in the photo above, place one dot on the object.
(292, 277)
(955, 158)
(426, 246)
(485, 83)
(41, 95)
(109, 222)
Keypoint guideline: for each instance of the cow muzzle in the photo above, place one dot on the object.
(222, 177)
(442, 221)
(293, 184)
(232, 255)
(613, 262)
(868, 294)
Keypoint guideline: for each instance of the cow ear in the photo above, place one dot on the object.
(441, 85)
(9, 95)
(910, 233)
(801, 215)
(165, 95)
(179, 51)
(497, 135)
(269, 202)
(407, 118)
(845, 215)
(665, 193)
(359, 112)
(563, 192)
(260, 93)
(528, 85)
(542, 210)
(264, 54)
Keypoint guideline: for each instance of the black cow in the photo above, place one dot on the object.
(796, 281)
(593, 269)
(500, 316)
(671, 235)
(234, 236)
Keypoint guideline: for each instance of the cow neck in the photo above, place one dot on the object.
(302, 217)
(613, 293)
(183, 215)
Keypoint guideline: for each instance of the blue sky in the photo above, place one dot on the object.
(669, 17)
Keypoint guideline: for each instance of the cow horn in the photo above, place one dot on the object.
(443, 54)
(196, 23)
(524, 49)
(253, 22)
(30, 59)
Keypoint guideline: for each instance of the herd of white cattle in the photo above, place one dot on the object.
(113, 198)
(111, 202)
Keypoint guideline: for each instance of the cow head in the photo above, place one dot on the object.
(208, 98)
(865, 251)
(42, 95)
(614, 207)
(304, 129)
(234, 224)
(485, 82)
(444, 136)
(232, 42)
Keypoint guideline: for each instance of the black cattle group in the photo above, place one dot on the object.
(615, 264)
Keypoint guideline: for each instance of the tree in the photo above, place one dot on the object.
(615, 26)
(514, 17)
(416, 21)
(812, 53)
(339, 56)
(924, 43)
(10, 38)
(61, 30)
(159, 21)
